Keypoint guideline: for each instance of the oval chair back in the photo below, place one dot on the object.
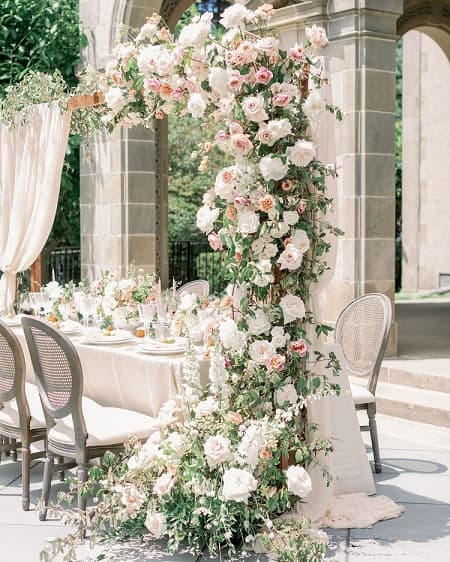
(362, 331)
(199, 287)
(59, 375)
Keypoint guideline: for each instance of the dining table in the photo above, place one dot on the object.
(124, 375)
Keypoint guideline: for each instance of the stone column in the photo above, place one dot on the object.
(121, 192)
(361, 52)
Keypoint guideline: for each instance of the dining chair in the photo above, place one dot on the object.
(22, 420)
(199, 287)
(362, 331)
(78, 428)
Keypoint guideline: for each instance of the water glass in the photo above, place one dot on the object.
(146, 314)
(88, 307)
(36, 302)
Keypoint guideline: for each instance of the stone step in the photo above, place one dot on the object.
(407, 402)
(427, 374)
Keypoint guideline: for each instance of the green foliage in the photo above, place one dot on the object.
(42, 36)
(186, 184)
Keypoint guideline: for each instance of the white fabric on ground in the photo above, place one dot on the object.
(31, 161)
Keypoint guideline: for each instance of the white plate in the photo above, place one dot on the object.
(12, 322)
(119, 336)
(69, 327)
(161, 350)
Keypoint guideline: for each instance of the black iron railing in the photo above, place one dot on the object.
(64, 265)
(188, 261)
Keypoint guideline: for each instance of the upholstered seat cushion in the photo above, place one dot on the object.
(361, 395)
(9, 414)
(105, 426)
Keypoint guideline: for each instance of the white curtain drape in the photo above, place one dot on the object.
(31, 161)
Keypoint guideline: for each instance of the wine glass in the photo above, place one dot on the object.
(46, 301)
(36, 302)
(88, 307)
(146, 314)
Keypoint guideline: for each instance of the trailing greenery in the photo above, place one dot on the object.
(398, 167)
(38, 37)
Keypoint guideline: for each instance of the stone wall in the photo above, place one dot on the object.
(426, 167)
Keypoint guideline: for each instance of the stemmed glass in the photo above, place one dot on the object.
(36, 302)
(146, 314)
(46, 302)
(88, 307)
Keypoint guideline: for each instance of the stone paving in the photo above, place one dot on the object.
(416, 473)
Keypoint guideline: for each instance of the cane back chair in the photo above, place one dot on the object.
(362, 331)
(22, 420)
(77, 427)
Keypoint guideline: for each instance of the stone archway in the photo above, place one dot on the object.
(425, 28)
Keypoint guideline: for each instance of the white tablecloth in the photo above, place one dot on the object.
(123, 377)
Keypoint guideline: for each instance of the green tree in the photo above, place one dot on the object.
(45, 35)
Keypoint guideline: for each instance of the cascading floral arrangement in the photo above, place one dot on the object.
(230, 457)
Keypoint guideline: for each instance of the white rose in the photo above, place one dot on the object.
(238, 484)
(300, 240)
(317, 36)
(217, 450)
(156, 523)
(115, 99)
(218, 80)
(147, 59)
(132, 498)
(260, 324)
(261, 351)
(298, 481)
(248, 222)
(291, 258)
(301, 153)
(279, 128)
(286, 393)
(290, 217)
(188, 301)
(278, 336)
(177, 443)
(270, 251)
(195, 34)
(314, 105)
(263, 280)
(229, 334)
(53, 289)
(258, 246)
(235, 16)
(279, 230)
(268, 45)
(163, 484)
(206, 407)
(145, 457)
(272, 168)
(293, 307)
(253, 107)
(196, 105)
(147, 31)
(206, 218)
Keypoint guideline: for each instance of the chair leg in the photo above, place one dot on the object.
(60, 474)
(371, 412)
(46, 485)
(7, 449)
(25, 476)
(82, 477)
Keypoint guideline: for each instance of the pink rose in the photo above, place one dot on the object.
(240, 200)
(236, 128)
(177, 94)
(301, 207)
(317, 36)
(153, 84)
(222, 136)
(266, 203)
(280, 100)
(159, 114)
(297, 53)
(236, 80)
(214, 241)
(227, 362)
(275, 362)
(300, 347)
(263, 76)
(240, 144)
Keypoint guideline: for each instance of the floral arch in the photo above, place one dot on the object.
(230, 457)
